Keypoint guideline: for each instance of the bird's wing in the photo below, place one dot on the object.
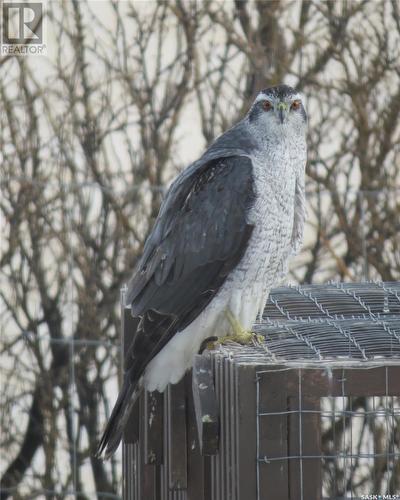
(200, 236)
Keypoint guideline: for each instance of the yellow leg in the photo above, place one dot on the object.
(240, 334)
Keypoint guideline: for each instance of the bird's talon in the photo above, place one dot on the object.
(211, 346)
(209, 343)
(257, 339)
(245, 337)
(240, 334)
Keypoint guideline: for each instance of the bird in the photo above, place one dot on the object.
(224, 235)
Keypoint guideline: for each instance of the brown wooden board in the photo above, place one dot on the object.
(130, 483)
(177, 439)
(153, 427)
(273, 437)
(196, 469)
(304, 438)
(220, 465)
(212, 465)
(393, 379)
(147, 473)
(207, 476)
(232, 430)
(227, 395)
(311, 446)
(205, 403)
(345, 381)
(246, 437)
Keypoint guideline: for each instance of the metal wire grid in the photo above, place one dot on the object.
(340, 325)
(372, 300)
(344, 466)
(336, 322)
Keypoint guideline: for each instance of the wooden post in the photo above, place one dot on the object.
(177, 442)
(153, 427)
(246, 436)
(273, 434)
(304, 437)
(205, 405)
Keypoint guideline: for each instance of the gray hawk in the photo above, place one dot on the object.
(223, 237)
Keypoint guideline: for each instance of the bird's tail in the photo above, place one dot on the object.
(112, 434)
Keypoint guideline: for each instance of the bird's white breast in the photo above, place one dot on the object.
(263, 265)
(265, 261)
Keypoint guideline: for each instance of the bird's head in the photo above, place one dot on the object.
(279, 110)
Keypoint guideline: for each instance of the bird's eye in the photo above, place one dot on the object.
(296, 104)
(266, 105)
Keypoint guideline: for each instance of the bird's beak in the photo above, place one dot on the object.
(282, 111)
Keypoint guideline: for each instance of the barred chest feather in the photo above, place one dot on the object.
(263, 265)
(266, 260)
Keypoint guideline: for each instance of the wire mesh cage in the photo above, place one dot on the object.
(313, 412)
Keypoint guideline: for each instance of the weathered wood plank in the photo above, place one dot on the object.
(273, 434)
(304, 438)
(153, 427)
(246, 435)
(146, 473)
(177, 437)
(205, 404)
(196, 469)
(346, 381)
